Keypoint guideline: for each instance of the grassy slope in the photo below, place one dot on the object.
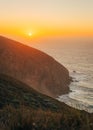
(15, 93)
(22, 111)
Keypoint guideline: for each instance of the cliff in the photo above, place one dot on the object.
(33, 67)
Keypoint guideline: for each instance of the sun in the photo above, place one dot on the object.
(29, 34)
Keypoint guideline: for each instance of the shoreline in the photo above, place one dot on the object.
(73, 99)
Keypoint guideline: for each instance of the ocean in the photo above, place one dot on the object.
(76, 54)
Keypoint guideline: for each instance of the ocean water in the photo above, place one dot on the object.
(77, 56)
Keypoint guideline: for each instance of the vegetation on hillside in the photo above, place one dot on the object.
(22, 108)
(15, 93)
(25, 118)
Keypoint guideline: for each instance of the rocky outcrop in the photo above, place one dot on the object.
(33, 67)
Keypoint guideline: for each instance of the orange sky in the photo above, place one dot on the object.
(46, 18)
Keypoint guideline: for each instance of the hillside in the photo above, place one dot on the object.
(16, 93)
(23, 108)
(33, 67)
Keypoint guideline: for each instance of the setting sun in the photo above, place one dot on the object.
(29, 34)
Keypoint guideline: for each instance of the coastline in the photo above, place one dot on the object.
(73, 97)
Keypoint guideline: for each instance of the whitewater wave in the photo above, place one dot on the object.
(81, 94)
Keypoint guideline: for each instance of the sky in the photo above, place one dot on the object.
(39, 18)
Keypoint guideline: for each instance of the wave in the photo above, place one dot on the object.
(81, 94)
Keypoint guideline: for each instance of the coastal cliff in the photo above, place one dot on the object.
(33, 67)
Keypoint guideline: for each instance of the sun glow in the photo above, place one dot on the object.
(29, 34)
